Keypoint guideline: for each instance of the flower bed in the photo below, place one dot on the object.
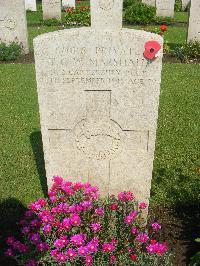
(75, 227)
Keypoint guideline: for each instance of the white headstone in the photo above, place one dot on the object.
(98, 98)
(68, 3)
(194, 21)
(13, 26)
(185, 3)
(165, 8)
(30, 5)
(51, 9)
(149, 2)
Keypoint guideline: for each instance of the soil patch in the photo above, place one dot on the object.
(180, 227)
(23, 59)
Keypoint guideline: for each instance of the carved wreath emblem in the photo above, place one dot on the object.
(106, 4)
(97, 140)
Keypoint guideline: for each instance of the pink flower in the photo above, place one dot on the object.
(86, 205)
(35, 206)
(31, 262)
(47, 229)
(88, 260)
(57, 180)
(113, 207)
(128, 219)
(42, 246)
(142, 237)
(71, 253)
(78, 240)
(28, 214)
(25, 230)
(108, 247)
(75, 220)
(129, 196)
(157, 248)
(35, 223)
(54, 253)
(42, 202)
(69, 191)
(96, 227)
(58, 243)
(66, 223)
(9, 253)
(61, 257)
(122, 196)
(99, 211)
(133, 214)
(35, 238)
(125, 196)
(113, 259)
(10, 240)
(142, 205)
(156, 226)
(83, 251)
(134, 230)
(93, 245)
(77, 186)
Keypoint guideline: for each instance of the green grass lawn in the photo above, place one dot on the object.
(175, 34)
(177, 149)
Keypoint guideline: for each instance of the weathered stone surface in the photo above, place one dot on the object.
(165, 8)
(185, 3)
(30, 5)
(149, 2)
(194, 21)
(98, 99)
(51, 9)
(68, 3)
(13, 26)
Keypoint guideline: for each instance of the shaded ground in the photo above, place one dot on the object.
(180, 226)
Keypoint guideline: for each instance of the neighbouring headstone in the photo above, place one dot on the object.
(98, 100)
(185, 4)
(149, 2)
(13, 25)
(194, 21)
(165, 8)
(68, 3)
(30, 5)
(51, 9)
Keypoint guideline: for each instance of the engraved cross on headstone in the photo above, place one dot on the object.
(98, 139)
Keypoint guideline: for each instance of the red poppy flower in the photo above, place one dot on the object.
(151, 49)
(163, 28)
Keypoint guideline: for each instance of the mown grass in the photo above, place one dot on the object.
(177, 150)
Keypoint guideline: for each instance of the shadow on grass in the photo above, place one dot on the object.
(11, 211)
(180, 218)
(36, 143)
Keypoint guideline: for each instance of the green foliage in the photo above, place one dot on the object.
(51, 22)
(79, 16)
(178, 6)
(195, 260)
(127, 3)
(10, 51)
(188, 51)
(139, 13)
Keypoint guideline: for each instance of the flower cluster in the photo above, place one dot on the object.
(75, 226)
